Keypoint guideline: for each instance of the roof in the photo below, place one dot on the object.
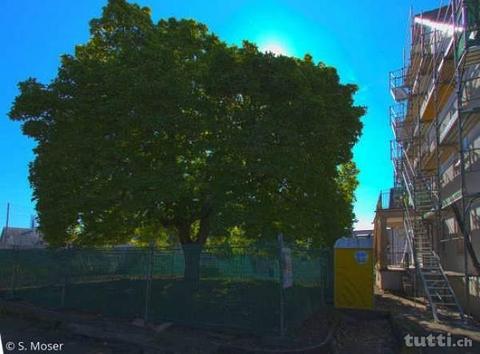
(362, 233)
(21, 237)
(436, 14)
(439, 19)
(354, 242)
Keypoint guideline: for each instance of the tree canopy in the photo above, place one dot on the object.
(163, 126)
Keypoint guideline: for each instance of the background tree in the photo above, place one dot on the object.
(164, 126)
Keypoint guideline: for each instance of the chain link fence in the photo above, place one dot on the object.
(239, 288)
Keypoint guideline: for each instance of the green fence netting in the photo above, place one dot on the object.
(238, 288)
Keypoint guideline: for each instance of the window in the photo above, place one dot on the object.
(451, 227)
(475, 217)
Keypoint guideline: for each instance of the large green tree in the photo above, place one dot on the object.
(164, 126)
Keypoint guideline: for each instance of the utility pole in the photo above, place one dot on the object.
(8, 217)
(3, 235)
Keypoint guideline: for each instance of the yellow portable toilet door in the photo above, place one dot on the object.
(354, 273)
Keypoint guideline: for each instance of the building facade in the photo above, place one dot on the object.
(436, 156)
(18, 237)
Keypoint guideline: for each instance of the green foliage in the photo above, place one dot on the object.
(163, 127)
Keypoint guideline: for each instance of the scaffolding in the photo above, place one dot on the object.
(435, 159)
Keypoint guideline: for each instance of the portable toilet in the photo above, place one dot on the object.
(354, 273)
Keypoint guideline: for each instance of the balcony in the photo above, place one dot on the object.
(450, 179)
(398, 258)
(450, 176)
(472, 160)
(429, 45)
(443, 65)
(447, 118)
(397, 151)
(401, 129)
(398, 85)
(470, 103)
(428, 146)
(444, 88)
(390, 199)
(471, 88)
(417, 51)
(472, 171)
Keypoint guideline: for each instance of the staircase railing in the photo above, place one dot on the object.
(421, 199)
(409, 232)
(412, 179)
(448, 283)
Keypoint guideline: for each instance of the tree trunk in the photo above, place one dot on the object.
(192, 249)
(191, 253)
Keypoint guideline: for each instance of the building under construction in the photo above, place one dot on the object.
(427, 227)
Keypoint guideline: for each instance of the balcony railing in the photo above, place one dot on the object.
(439, 47)
(428, 49)
(397, 113)
(400, 127)
(447, 117)
(471, 89)
(450, 180)
(450, 176)
(429, 142)
(472, 160)
(399, 259)
(390, 199)
(398, 85)
(451, 169)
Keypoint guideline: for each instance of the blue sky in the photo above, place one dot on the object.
(364, 40)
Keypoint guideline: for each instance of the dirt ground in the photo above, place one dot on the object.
(23, 332)
(352, 336)
(172, 340)
(413, 316)
(371, 334)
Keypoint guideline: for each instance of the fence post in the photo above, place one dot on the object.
(66, 270)
(13, 282)
(172, 265)
(323, 281)
(282, 290)
(148, 278)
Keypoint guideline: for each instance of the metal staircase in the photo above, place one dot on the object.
(420, 200)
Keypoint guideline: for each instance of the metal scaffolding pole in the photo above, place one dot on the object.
(459, 79)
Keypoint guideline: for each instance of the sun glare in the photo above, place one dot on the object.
(274, 47)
